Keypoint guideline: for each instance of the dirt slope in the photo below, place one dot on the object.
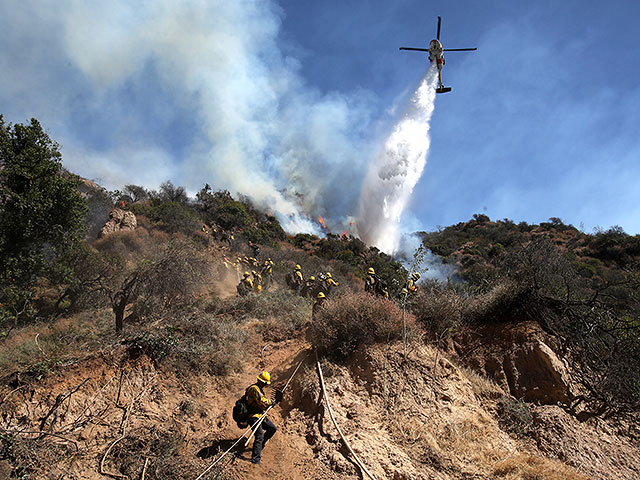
(423, 418)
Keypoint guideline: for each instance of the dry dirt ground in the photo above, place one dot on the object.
(420, 418)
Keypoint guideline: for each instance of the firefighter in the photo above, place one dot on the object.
(246, 285)
(257, 281)
(258, 402)
(227, 263)
(309, 287)
(255, 248)
(267, 272)
(371, 281)
(320, 299)
(226, 237)
(411, 283)
(252, 262)
(329, 283)
(239, 268)
(297, 279)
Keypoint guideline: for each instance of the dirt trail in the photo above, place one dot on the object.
(277, 459)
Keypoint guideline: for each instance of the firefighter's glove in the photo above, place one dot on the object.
(278, 396)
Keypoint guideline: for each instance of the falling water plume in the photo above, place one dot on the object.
(392, 176)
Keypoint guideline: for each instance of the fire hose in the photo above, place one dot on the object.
(335, 423)
(251, 429)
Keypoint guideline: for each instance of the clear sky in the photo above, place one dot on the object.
(289, 99)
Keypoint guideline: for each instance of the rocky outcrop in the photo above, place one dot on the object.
(119, 220)
(520, 358)
(534, 373)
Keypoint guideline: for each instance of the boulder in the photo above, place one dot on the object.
(119, 220)
(536, 374)
(522, 359)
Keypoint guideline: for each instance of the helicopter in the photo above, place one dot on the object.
(436, 55)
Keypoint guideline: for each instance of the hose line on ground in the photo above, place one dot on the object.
(335, 424)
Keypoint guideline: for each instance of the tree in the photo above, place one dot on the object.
(153, 284)
(41, 213)
(170, 193)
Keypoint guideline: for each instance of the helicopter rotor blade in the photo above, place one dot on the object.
(458, 49)
(438, 34)
(415, 49)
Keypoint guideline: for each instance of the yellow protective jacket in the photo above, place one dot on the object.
(297, 277)
(370, 283)
(257, 282)
(257, 401)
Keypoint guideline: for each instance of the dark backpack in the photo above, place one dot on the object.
(380, 286)
(240, 412)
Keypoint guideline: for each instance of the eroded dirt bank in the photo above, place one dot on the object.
(423, 418)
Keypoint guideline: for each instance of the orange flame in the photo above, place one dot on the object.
(322, 223)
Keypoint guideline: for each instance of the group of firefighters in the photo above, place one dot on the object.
(256, 281)
(257, 277)
(219, 234)
(313, 287)
(256, 399)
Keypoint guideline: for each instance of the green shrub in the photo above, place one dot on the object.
(174, 216)
(515, 416)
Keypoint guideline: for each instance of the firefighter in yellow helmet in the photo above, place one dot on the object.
(246, 285)
(411, 285)
(267, 272)
(258, 402)
(309, 287)
(329, 283)
(257, 281)
(371, 281)
(297, 279)
(320, 299)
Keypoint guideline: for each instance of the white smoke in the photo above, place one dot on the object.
(256, 127)
(391, 178)
(109, 80)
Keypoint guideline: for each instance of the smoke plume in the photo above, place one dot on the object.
(203, 92)
(391, 178)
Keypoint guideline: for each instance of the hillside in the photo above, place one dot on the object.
(125, 346)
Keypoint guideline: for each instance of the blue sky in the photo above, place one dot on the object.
(290, 99)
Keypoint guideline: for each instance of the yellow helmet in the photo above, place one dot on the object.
(405, 291)
(312, 278)
(297, 267)
(328, 274)
(264, 377)
(416, 276)
(371, 271)
(246, 274)
(320, 295)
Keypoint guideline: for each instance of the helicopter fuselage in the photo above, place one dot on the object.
(436, 53)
